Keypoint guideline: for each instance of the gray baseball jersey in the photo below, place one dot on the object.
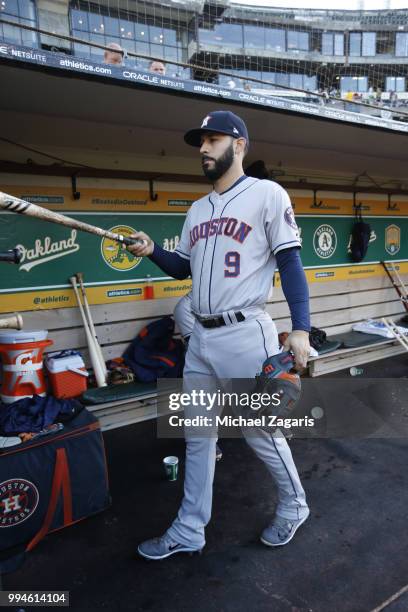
(231, 240)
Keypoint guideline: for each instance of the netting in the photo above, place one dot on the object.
(23, 13)
(317, 55)
(143, 30)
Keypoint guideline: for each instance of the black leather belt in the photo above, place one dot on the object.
(210, 322)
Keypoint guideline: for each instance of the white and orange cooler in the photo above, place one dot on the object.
(22, 364)
(67, 373)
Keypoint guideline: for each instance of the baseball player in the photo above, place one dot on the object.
(231, 242)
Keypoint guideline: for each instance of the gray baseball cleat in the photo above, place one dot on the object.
(281, 530)
(160, 548)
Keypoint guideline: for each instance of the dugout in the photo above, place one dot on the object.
(108, 148)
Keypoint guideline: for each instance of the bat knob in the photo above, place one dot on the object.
(12, 256)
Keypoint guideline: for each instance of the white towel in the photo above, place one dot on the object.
(377, 328)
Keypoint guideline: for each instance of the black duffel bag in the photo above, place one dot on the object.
(49, 483)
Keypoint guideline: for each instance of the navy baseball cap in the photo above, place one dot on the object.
(221, 122)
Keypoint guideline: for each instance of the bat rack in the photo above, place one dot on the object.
(75, 193)
(390, 206)
(357, 207)
(153, 196)
(316, 204)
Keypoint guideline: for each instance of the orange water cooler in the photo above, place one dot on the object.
(22, 364)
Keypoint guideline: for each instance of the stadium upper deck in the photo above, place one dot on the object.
(355, 61)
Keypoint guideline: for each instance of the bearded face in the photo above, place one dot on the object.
(214, 168)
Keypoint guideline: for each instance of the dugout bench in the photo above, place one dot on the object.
(335, 307)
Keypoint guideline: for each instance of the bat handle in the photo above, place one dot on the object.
(12, 256)
(129, 241)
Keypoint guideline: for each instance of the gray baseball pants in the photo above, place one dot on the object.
(232, 351)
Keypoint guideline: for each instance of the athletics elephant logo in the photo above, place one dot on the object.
(324, 241)
(115, 254)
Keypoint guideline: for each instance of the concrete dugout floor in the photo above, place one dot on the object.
(350, 556)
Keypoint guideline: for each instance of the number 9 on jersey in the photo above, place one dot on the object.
(232, 264)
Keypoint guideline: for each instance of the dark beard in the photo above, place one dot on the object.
(221, 165)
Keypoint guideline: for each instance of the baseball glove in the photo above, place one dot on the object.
(282, 386)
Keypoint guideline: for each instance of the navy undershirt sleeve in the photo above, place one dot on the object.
(294, 287)
(171, 263)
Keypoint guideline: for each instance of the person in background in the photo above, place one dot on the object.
(157, 67)
(348, 99)
(393, 99)
(356, 98)
(333, 93)
(113, 55)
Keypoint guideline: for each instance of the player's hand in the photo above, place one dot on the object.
(298, 343)
(144, 249)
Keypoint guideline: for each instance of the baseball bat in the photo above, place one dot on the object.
(399, 279)
(399, 290)
(93, 353)
(12, 256)
(14, 322)
(80, 279)
(390, 325)
(8, 202)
